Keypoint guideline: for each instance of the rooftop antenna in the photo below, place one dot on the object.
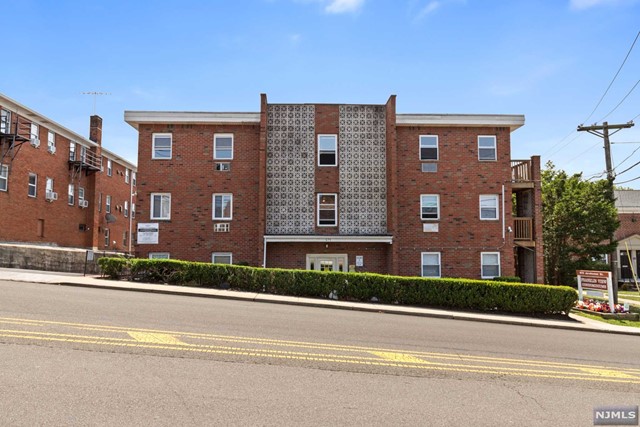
(95, 96)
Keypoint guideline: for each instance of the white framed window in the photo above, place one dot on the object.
(100, 202)
(162, 145)
(222, 258)
(106, 236)
(327, 150)
(159, 255)
(80, 195)
(5, 121)
(327, 210)
(126, 175)
(489, 206)
(33, 185)
(223, 146)
(431, 264)
(71, 194)
(429, 147)
(35, 131)
(72, 151)
(107, 204)
(51, 141)
(83, 154)
(134, 179)
(133, 210)
(487, 147)
(222, 206)
(109, 167)
(125, 236)
(429, 207)
(49, 185)
(160, 205)
(490, 264)
(4, 177)
(126, 209)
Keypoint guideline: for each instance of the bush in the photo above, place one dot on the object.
(505, 295)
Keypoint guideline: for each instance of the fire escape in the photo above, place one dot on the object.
(13, 133)
(83, 159)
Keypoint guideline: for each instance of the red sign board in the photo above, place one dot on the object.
(595, 280)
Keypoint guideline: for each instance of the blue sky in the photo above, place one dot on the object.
(550, 60)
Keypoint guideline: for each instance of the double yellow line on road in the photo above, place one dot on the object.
(250, 347)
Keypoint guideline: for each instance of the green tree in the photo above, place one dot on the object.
(579, 219)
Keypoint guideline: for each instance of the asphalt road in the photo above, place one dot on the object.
(77, 356)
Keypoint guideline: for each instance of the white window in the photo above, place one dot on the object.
(100, 202)
(430, 264)
(35, 131)
(161, 146)
(488, 206)
(126, 209)
(158, 255)
(134, 179)
(49, 185)
(327, 150)
(222, 206)
(223, 146)
(72, 151)
(160, 206)
(71, 193)
(4, 177)
(83, 154)
(487, 147)
(429, 207)
(221, 258)
(109, 167)
(490, 264)
(327, 210)
(126, 176)
(107, 204)
(51, 140)
(5, 121)
(106, 237)
(428, 147)
(133, 210)
(80, 195)
(33, 185)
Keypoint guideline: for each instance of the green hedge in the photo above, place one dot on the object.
(450, 293)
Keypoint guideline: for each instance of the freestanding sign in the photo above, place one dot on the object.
(597, 281)
(148, 233)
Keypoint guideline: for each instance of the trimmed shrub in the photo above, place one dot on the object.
(483, 295)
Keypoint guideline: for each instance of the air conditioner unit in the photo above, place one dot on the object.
(223, 167)
(83, 203)
(35, 142)
(52, 149)
(51, 196)
(221, 228)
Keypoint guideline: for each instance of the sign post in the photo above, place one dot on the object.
(597, 281)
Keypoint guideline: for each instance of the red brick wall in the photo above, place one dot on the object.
(460, 180)
(293, 255)
(191, 178)
(629, 225)
(20, 213)
(327, 177)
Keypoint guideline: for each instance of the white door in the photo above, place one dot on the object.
(327, 262)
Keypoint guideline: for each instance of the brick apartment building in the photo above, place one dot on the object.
(627, 255)
(339, 187)
(58, 188)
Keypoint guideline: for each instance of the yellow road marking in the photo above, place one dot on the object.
(155, 338)
(328, 359)
(152, 336)
(398, 357)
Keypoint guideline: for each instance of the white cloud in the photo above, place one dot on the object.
(344, 6)
(429, 8)
(586, 4)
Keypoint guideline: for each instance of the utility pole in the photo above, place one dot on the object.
(602, 131)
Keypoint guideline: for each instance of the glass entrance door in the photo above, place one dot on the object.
(327, 262)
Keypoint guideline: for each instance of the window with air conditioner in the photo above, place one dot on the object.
(49, 193)
(51, 142)
(5, 121)
(35, 135)
(72, 151)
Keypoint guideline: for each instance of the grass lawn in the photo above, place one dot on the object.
(610, 321)
(631, 295)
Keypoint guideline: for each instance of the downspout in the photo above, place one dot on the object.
(503, 214)
(264, 253)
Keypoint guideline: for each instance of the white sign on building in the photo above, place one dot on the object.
(148, 233)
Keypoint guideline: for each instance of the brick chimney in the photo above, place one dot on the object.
(95, 129)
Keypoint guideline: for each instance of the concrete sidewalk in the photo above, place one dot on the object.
(575, 322)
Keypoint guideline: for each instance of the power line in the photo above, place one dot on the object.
(630, 180)
(563, 146)
(614, 78)
(627, 158)
(620, 103)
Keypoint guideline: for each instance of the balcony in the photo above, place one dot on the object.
(85, 160)
(523, 231)
(521, 174)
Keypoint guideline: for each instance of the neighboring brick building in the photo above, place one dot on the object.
(338, 187)
(58, 188)
(628, 234)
